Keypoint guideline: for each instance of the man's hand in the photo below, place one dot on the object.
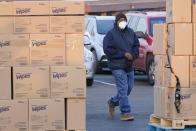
(128, 56)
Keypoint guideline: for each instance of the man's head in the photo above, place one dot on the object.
(121, 21)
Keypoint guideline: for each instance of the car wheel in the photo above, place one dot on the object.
(97, 67)
(89, 82)
(151, 71)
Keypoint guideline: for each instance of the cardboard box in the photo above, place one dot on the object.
(157, 101)
(166, 102)
(6, 25)
(14, 50)
(160, 70)
(74, 46)
(160, 39)
(67, 24)
(192, 71)
(76, 114)
(193, 11)
(31, 7)
(14, 115)
(5, 80)
(31, 24)
(67, 7)
(46, 114)
(181, 71)
(68, 81)
(31, 82)
(6, 8)
(194, 38)
(47, 49)
(178, 11)
(188, 106)
(180, 39)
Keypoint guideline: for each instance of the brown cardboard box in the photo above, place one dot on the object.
(67, 24)
(76, 114)
(31, 24)
(188, 106)
(46, 114)
(74, 46)
(5, 80)
(31, 7)
(6, 25)
(6, 8)
(193, 11)
(178, 11)
(14, 50)
(67, 7)
(47, 49)
(14, 115)
(68, 81)
(160, 70)
(194, 38)
(166, 102)
(157, 101)
(31, 82)
(180, 65)
(192, 71)
(160, 39)
(180, 39)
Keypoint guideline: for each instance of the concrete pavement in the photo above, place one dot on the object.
(97, 113)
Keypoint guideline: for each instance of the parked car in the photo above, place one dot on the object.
(89, 63)
(142, 24)
(97, 27)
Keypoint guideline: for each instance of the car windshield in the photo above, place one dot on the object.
(103, 26)
(156, 20)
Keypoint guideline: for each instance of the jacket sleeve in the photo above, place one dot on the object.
(109, 48)
(135, 51)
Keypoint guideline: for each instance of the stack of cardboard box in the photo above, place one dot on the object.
(42, 73)
(175, 47)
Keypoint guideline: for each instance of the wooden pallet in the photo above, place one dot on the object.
(171, 124)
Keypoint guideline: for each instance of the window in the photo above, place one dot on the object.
(142, 25)
(133, 22)
(90, 28)
(103, 26)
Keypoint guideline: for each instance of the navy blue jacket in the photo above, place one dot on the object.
(116, 43)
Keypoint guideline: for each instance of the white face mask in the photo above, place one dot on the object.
(122, 25)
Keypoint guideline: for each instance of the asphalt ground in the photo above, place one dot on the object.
(141, 99)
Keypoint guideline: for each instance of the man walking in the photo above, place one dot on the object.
(121, 46)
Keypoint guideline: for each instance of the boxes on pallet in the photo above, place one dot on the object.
(192, 71)
(46, 114)
(160, 39)
(6, 8)
(160, 70)
(157, 101)
(6, 25)
(67, 24)
(14, 115)
(67, 7)
(74, 46)
(47, 49)
(5, 80)
(76, 114)
(175, 14)
(14, 50)
(31, 7)
(181, 71)
(31, 82)
(68, 81)
(194, 38)
(31, 24)
(180, 39)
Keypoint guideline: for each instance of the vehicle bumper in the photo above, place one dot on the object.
(103, 62)
(89, 70)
